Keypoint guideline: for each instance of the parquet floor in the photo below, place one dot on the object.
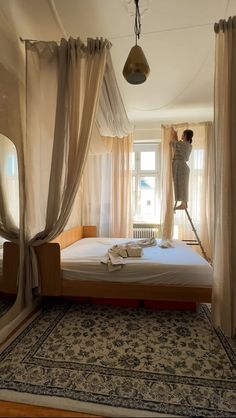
(13, 409)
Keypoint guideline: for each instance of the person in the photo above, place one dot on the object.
(180, 169)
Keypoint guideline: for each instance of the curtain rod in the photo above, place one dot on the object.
(223, 25)
(30, 40)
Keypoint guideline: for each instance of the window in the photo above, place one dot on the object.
(146, 182)
(11, 165)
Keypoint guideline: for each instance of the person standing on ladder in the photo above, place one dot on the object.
(180, 169)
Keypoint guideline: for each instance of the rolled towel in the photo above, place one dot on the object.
(134, 251)
(113, 261)
(119, 250)
(166, 243)
(146, 242)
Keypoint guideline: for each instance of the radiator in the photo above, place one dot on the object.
(145, 232)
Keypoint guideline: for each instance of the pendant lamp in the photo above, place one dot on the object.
(136, 68)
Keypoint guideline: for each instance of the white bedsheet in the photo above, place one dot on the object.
(179, 265)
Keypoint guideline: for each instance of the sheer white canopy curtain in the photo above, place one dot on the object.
(63, 84)
(107, 179)
(112, 119)
(224, 261)
(200, 205)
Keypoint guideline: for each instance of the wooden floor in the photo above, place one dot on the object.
(13, 409)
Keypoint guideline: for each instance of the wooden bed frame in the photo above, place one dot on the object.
(53, 284)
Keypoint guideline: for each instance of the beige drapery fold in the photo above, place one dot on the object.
(200, 204)
(224, 261)
(167, 196)
(63, 88)
(107, 188)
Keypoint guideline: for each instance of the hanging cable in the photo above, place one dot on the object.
(137, 22)
(57, 17)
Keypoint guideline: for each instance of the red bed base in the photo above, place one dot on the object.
(151, 304)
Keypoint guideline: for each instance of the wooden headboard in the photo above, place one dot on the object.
(49, 260)
(72, 235)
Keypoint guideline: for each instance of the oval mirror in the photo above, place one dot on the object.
(9, 220)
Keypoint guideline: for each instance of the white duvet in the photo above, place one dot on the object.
(179, 265)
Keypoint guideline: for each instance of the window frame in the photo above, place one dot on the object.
(137, 174)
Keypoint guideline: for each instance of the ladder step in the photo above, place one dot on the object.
(197, 241)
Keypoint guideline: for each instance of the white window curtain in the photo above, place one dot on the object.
(200, 187)
(107, 187)
(63, 88)
(224, 261)
(97, 181)
(121, 214)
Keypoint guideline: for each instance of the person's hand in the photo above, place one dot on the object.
(174, 134)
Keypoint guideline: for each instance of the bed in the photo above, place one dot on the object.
(70, 266)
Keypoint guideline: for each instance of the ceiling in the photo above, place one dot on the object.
(177, 38)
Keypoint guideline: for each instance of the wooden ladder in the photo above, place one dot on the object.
(197, 241)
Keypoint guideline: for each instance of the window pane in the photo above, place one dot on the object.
(11, 165)
(148, 160)
(147, 198)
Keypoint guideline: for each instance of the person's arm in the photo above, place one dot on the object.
(173, 137)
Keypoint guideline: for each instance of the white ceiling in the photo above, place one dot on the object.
(177, 38)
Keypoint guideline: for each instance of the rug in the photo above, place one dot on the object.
(149, 361)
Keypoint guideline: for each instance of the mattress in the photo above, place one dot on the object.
(179, 265)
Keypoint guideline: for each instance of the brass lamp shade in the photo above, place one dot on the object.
(136, 69)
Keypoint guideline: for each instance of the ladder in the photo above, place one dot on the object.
(197, 241)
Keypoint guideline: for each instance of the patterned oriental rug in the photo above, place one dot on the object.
(122, 362)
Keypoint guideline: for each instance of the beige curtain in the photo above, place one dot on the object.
(107, 187)
(167, 196)
(63, 88)
(200, 186)
(224, 262)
